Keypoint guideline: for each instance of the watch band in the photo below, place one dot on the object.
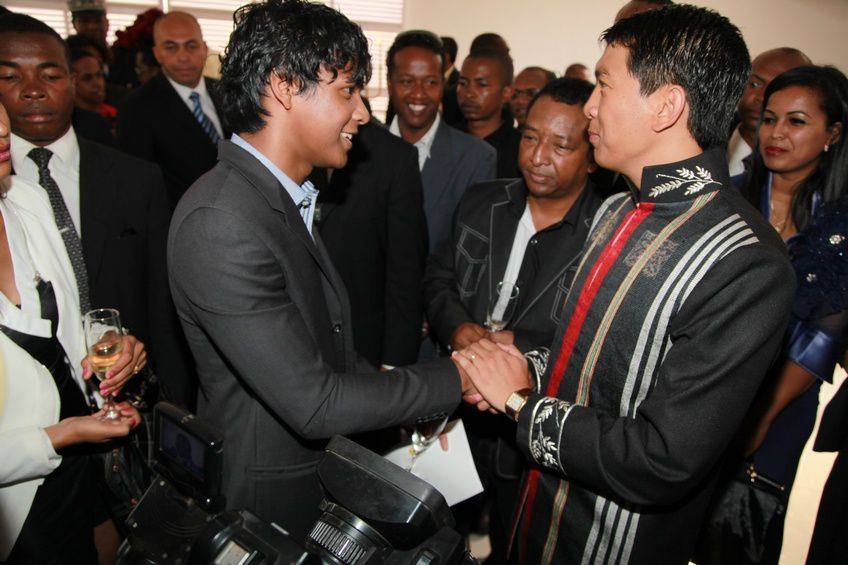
(516, 402)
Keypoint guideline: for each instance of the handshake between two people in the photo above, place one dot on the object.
(490, 373)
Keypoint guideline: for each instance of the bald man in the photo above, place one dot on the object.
(174, 119)
(764, 68)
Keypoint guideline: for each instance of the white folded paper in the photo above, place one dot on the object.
(452, 472)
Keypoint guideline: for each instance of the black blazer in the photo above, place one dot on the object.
(268, 321)
(463, 272)
(156, 125)
(372, 222)
(124, 219)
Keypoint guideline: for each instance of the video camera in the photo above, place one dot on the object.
(373, 512)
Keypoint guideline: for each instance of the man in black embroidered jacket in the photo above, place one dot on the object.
(676, 311)
(526, 232)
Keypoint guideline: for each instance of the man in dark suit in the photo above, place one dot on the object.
(174, 120)
(525, 232)
(450, 161)
(265, 313)
(381, 261)
(117, 202)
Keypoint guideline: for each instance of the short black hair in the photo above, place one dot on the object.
(549, 74)
(830, 178)
(78, 54)
(14, 22)
(451, 48)
(693, 47)
(565, 90)
(501, 57)
(79, 42)
(293, 39)
(414, 38)
(489, 40)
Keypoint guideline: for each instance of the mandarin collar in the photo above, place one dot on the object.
(683, 180)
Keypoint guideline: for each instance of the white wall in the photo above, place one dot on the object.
(556, 33)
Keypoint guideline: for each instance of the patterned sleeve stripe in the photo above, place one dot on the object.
(548, 419)
(537, 361)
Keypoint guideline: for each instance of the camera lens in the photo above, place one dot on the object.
(343, 538)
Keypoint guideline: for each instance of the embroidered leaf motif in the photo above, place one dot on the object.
(544, 413)
(694, 181)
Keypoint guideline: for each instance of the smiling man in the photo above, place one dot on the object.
(675, 314)
(265, 312)
(174, 120)
(450, 160)
(529, 232)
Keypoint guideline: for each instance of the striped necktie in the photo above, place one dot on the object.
(64, 222)
(203, 119)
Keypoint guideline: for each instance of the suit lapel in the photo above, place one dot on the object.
(179, 117)
(500, 240)
(437, 169)
(279, 200)
(97, 195)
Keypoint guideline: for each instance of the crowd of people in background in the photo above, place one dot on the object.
(670, 344)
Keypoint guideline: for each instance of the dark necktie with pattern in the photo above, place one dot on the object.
(64, 222)
(203, 119)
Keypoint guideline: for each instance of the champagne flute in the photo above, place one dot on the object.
(424, 432)
(501, 306)
(104, 337)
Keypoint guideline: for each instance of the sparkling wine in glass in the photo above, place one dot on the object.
(103, 335)
(501, 306)
(424, 432)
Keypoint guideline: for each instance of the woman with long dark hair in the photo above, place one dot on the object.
(799, 181)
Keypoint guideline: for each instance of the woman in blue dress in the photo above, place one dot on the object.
(799, 181)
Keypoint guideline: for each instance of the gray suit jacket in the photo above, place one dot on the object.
(457, 160)
(267, 319)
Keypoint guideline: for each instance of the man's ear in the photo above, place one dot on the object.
(670, 104)
(282, 90)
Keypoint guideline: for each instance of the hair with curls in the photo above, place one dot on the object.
(21, 23)
(830, 178)
(695, 48)
(295, 40)
(565, 90)
(414, 38)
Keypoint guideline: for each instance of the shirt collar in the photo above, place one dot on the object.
(297, 192)
(425, 144)
(65, 151)
(185, 91)
(684, 180)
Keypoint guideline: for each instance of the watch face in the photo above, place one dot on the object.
(515, 400)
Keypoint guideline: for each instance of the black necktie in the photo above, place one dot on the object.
(64, 222)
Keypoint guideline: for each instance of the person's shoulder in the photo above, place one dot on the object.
(378, 137)
(466, 142)
(122, 163)
(489, 192)
(143, 95)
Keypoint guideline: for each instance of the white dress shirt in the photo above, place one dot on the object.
(737, 150)
(424, 144)
(63, 165)
(205, 102)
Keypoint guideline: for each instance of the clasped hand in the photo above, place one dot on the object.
(490, 372)
(132, 360)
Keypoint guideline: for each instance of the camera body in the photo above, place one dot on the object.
(373, 512)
